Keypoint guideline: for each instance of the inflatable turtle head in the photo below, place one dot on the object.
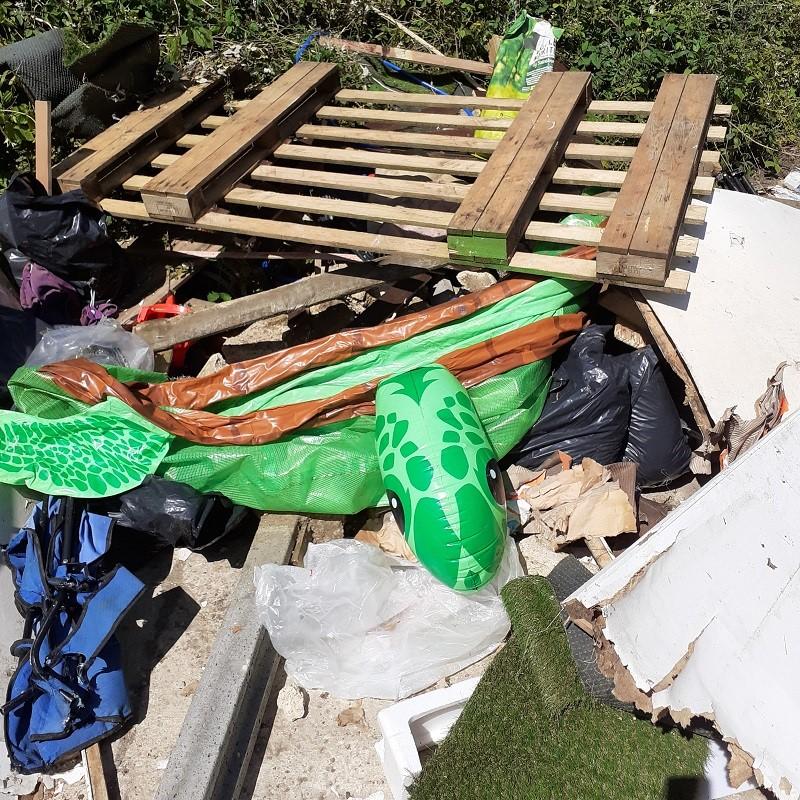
(441, 476)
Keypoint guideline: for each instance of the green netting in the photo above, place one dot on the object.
(334, 470)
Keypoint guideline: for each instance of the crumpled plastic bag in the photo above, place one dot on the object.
(356, 622)
(107, 342)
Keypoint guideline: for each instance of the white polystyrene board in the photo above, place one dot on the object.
(416, 723)
(739, 319)
(712, 594)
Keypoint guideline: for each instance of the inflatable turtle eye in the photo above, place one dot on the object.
(495, 481)
(397, 510)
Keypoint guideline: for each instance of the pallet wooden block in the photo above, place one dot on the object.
(200, 177)
(493, 216)
(642, 231)
(335, 182)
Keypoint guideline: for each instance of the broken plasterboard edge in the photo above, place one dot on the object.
(712, 593)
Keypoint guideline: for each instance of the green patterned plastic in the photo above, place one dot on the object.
(442, 479)
(105, 450)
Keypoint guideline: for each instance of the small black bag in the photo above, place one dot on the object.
(64, 233)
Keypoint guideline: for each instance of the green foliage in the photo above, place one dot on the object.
(628, 45)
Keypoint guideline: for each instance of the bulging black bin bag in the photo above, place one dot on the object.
(64, 233)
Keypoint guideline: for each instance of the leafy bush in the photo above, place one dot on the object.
(628, 45)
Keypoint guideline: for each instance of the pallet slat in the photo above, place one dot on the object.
(627, 130)
(643, 228)
(619, 108)
(492, 218)
(193, 183)
(577, 150)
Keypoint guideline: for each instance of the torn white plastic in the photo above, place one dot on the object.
(703, 611)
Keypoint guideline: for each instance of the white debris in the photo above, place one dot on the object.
(293, 701)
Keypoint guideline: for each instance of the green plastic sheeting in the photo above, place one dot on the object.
(105, 450)
(334, 469)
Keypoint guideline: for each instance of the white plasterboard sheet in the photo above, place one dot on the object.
(739, 319)
(717, 585)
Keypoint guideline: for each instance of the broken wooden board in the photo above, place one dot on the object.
(162, 334)
(698, 618)
(493, 216)
(401, 54)
(200, 177)
(640, 236)
(119, 151)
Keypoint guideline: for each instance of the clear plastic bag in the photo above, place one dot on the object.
(357, 622)
(107, 342)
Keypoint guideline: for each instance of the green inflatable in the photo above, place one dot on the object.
(442, 479)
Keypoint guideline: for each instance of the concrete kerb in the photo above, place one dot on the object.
(213, 750)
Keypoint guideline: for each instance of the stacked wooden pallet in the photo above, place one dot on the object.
(304, 147)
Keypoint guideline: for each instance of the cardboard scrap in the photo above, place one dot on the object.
(697, 619)
(578, 503)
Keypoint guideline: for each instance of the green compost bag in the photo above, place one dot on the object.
(527, 51)
(328, 470)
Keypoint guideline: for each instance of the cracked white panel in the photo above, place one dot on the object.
(706, 608)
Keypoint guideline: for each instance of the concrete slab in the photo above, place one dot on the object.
(317, 758)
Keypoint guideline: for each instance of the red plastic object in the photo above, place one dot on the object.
(169, 308)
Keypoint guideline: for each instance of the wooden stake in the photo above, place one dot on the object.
(95, 774)
(44, 167)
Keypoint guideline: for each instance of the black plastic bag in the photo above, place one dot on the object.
(609, 408)
(64, 233)
(587, 408)
(656, 440)
(176, 515)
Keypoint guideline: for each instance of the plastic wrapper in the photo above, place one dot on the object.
(356, 622)
(656, 440)
(105, 343)
(588, 407)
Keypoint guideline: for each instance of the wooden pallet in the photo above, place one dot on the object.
(300, 150)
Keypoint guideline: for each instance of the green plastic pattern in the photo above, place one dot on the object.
(442, 479)
(106, 450)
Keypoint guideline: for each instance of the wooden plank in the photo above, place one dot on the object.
(419, 250)
(43, 144)
(424, 189)
(571, 176)
(96, 781)
(627, 130)
(492, 218)
(401, 215)
(166, 333)
(195, 182)
(401, 54)
(619, 108)
(643, 228)
(399, 139)
(577, 150)
(379, 160)
(118, 152)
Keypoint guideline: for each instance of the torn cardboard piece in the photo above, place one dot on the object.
(578, 503)
(698, 618)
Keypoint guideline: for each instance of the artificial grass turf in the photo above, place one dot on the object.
(530, 731)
